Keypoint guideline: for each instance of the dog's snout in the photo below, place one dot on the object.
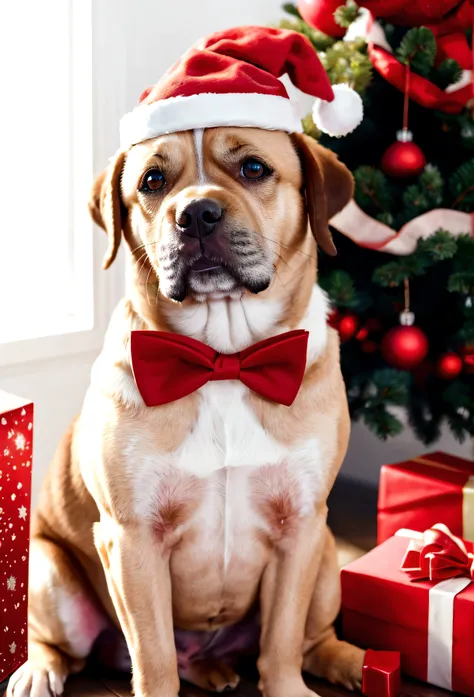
(199, 218)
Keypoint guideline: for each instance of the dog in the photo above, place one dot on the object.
(179, 531)
(194, 516)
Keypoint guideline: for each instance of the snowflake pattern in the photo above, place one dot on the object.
(16, 432)
(20, 441)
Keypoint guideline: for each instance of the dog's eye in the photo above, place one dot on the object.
(254, 169)
(154, 180)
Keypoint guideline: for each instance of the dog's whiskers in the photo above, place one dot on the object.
(290, 249)
(146, 287)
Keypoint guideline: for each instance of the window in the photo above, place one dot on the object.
(46, 241)
(63, 93)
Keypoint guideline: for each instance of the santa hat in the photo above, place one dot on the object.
(231, 79)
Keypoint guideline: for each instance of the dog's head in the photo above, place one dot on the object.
(216, 213)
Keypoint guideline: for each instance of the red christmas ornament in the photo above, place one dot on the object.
(320, 15)
(362, 334)
(449, 366)
(404, 158)
(404, 347)
(348, 326)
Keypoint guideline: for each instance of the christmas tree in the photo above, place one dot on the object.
(403, 303)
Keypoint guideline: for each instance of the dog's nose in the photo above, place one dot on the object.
(199, 218)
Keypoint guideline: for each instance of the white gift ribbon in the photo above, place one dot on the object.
(440, 630)
(440, 623)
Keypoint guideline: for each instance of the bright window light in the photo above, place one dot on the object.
(46, 169)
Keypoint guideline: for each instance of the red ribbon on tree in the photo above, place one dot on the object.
(437, 555)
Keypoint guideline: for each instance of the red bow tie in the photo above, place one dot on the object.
(169, 366)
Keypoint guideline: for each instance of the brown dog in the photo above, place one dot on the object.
(189, 525)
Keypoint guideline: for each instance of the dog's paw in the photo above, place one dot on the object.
(32, 681)
(210, 675)
(337, 661)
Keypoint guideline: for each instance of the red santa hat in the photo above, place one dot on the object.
(232, 79)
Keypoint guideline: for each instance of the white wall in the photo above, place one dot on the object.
(135, 42)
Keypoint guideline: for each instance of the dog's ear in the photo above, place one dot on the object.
(329, 186)
(105, 205)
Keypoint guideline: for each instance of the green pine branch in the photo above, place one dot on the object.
(393, 274)
(371, 396)
(392, 386)
(461, 185)
(461, 279)
(446, 73)
(320, 41)
(381, 421)
(346, 14)
(440, 246)
(348, 62)
(340, 288)
(418, 50)
(459, 400)
(423, 196)
(461, 282)
(372, 190)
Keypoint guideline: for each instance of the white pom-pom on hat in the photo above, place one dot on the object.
(340, 116)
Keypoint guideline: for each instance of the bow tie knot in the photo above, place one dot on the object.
(167, 367)
(226, 367)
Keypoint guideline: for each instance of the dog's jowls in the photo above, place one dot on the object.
(189, 527)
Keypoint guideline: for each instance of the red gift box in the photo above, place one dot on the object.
(430, 623)
(16, 443)
(434, 488)
(381, 674)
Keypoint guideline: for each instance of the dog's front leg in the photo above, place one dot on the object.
(136, 566)
(286, 591)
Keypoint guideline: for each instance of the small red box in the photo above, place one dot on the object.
(418, 493)
(16, 444)
(383, 609)
(381, 674)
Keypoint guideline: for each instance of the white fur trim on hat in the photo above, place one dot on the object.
(208, 111)
(342, 115)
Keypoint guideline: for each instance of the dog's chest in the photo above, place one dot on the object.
(227, 434)
(228, 475)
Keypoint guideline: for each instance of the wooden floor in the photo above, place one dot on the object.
(352, 516)
(110, 686)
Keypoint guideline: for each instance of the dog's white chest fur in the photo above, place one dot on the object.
(227, 437)
(227, 433)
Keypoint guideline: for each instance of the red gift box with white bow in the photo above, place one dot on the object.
(414, 594)
(433, 488)
(16, 443)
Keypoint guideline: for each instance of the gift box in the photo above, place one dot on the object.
(430, 622)
(16, 435)
(426, 490)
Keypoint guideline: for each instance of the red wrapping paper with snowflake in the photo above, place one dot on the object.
(16, 443)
